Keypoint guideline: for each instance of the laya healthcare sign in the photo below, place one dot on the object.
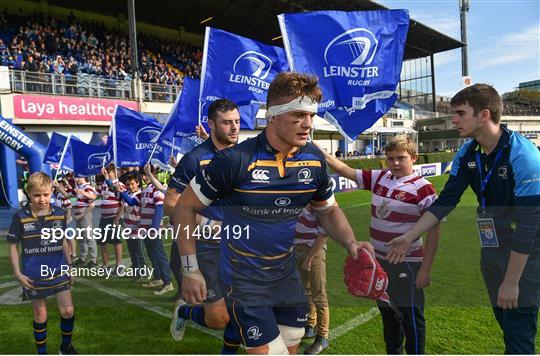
(51, 109)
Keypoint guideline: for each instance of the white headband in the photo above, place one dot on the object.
(302, 103)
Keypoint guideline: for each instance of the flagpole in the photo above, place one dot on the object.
(115, 148)
(62, 157)
(203, 68)
(152, 154)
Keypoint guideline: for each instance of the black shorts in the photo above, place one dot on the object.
(45, 292)
(109, 236)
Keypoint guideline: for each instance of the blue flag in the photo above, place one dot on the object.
(179, 132)
(134, 136)
(89, 159)
(248, 114)
(238, 68)
(357, 57)
(56, 146)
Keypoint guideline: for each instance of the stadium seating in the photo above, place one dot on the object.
(74, 48)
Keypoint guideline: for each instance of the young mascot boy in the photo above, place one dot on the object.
(400, 196)
(44, 261)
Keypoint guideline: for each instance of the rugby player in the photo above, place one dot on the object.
(224, 122)
(263, 184)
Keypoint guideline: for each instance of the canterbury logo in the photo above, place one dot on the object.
(29, 226)
(379, 284)
(260, 174)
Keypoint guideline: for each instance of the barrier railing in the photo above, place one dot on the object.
(88, 85)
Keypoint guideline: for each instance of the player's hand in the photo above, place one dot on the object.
(104, 172)
(201, 132)
(399, 247)
(172, 161)
(71, 279)
(354, 246)
(306, 264)
(423, 278)
(147, 169)
(193, 288)
(25, 281)
(508, 295)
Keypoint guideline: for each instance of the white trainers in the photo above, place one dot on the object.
(178, 324)
(165, 289)
(153, 283)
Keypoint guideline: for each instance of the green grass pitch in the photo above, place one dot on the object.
(117, 316)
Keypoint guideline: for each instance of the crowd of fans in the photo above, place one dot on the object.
(44, 44)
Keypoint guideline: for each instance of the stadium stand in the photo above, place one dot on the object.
(76, 52)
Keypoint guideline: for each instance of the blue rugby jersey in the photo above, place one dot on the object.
(37, 252)
(512, 194)
(262, 194)
(190, 164)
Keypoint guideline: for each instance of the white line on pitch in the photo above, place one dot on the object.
(143, 304)
(9, 284)
(353, 323)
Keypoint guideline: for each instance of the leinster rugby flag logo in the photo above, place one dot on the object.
(147, 137)
(357, 57)
(256, 64)
(98, 160)
(356, 49)
(134, 137)
(238, 68)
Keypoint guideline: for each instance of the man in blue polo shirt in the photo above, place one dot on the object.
(263, 184)
(503, 169)
(224, 122)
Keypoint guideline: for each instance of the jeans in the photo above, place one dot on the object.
(135, 248)
(156, 253)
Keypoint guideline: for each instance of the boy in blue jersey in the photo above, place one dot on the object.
(224, 122)
(44, 261)
(503, 169)
(263, 184)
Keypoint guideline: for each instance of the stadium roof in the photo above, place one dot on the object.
(253, 18)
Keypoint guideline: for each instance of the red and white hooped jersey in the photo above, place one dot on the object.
(396, 205)
(150, 198)
(110, 202)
